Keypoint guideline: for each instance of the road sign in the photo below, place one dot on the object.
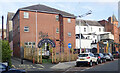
(69, 45)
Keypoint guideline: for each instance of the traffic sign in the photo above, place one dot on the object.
(69, 45)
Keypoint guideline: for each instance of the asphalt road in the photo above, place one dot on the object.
(108, 66)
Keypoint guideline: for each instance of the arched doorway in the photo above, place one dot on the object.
(46, 50)
(94, 50)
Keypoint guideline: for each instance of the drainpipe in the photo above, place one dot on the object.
(2, 28)
(36, 28)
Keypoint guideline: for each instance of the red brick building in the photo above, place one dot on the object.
(112, 26)
(33, 23)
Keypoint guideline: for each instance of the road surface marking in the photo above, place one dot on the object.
(82, 70)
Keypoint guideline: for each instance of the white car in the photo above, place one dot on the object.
(86, 58)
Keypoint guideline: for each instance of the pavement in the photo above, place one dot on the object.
(64, 65)
(29, 66)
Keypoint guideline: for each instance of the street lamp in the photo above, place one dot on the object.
(80, 16)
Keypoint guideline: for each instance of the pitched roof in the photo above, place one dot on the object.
(43, 8)
(89, 22)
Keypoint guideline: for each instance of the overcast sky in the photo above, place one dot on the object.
(100, 10)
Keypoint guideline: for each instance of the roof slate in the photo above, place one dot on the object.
(44, 8)
(88, 22)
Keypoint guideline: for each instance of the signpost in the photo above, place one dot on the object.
(69, 46)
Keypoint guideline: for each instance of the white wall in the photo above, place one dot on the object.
(85, 43)
(89, 29)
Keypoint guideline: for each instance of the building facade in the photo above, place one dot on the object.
(34, 23)
(90, 33)
(112, 26)
(9, 30)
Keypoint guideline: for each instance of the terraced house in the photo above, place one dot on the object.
(33, 23)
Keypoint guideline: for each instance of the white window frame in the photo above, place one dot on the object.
(85, 30)
(57, 30)
(69, 34)
(26, 15)
(26, 29)
(57, 17)
(69, 20)
(99, 29)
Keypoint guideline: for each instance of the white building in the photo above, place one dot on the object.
(90, 33)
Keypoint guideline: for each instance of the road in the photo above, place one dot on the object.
(108, 66)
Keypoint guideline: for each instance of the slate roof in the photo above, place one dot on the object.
(43, 8)
(88, 22)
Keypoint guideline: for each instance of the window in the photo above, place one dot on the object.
(26, 43)
(88, 37)
(57, 30)
(84, 29)
(57, 17)
(99, 29)
(91, 29)
(26, 15)
(69, 34)
(26, 29)
(30, 43)
(33, 43)
(69, 20)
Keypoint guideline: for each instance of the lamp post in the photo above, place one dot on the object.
(2, 27)
(80, 16)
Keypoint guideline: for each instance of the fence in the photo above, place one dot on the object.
(36, 55)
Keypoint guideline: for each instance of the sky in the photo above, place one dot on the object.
(100, 9)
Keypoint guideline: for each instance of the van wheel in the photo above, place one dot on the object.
(90, 64)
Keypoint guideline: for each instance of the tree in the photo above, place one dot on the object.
(6, 51)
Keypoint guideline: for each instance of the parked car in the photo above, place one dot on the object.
(101, 57)
(7, 69)
(116, 54)
(86, 58)
(109, 56)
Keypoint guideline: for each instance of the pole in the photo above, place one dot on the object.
(41, 55)
(36, 28)
(80, 35)
(2, 27)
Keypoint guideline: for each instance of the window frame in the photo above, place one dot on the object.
(70, 34)
(26, 28)
(57, 30)
(69, 20)
(57, 17)
(84, 29)
(26, 15)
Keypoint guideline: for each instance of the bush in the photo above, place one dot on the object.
(6, 52)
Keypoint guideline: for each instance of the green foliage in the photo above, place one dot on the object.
(46, 60)
(6, 52)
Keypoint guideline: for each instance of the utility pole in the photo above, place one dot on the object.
(2, 28)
